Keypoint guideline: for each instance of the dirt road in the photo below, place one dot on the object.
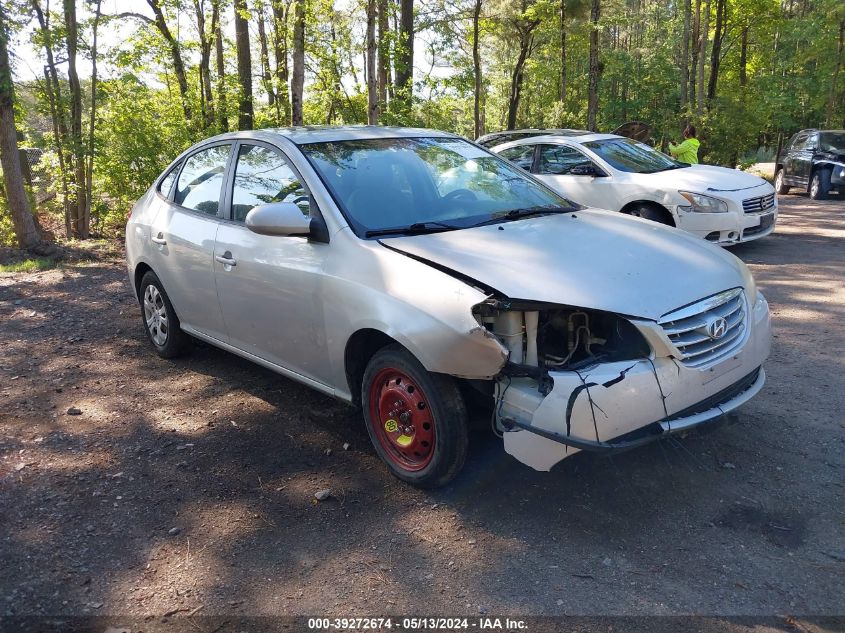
(191, 483)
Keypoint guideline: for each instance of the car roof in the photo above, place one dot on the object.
(327, 133)
(557, 138)
(534, 130)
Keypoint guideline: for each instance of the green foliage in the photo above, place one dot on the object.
(140, 130)
(28, 265)
(792, 80)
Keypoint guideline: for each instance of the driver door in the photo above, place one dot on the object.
(554, 166)
(269, 285)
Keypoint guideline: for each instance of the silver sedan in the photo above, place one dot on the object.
(420, 277)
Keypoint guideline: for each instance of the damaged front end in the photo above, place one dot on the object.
(580, 379)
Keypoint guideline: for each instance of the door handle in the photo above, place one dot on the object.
(226, 259)
(159, 239)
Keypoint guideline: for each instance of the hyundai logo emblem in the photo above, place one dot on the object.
(717, 328)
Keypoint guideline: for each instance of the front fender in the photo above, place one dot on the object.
(426, 310)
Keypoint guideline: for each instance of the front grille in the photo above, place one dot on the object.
(687, 328)
(755, 205)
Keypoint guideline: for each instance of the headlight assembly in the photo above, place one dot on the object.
(704, 204)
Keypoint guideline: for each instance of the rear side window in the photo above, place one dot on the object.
(262, 176)
(811, 142)
(166, 183)
(521, 156)
(798, 141)
(201, 179)
(560, 159)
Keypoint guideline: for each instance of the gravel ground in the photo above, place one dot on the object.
(190, 484)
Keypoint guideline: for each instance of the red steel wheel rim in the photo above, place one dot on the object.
(402, 419)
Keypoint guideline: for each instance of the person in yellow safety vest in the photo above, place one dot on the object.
(687, 151)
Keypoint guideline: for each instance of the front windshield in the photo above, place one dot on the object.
(832, 142)
(388, 183)
(625, 154)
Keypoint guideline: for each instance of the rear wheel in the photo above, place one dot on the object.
(780, 187)
(160, 320)
(416, 420)
(651, 212)
(820, 184)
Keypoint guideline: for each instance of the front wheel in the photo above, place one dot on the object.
(780, 187)
(649, 212)
(416, 420)
(820, 184)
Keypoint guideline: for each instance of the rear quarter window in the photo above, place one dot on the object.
(166, 183)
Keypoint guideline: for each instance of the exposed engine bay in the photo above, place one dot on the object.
(546, 337)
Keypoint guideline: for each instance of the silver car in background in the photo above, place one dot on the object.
(421, 277)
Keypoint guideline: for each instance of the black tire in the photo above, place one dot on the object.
(394, 376)
(175, 342)
(781, 188)
(820, 184)
(651, 212)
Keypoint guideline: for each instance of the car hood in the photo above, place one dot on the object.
(706, 178)
(589, 258)
(837, 155)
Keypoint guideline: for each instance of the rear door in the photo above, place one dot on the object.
(792, 164)
(183, 234)
(269, 285)
(804, 158)
(554, 166)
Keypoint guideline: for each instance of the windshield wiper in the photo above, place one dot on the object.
(417, 228)
(662, 169)
(526, 212)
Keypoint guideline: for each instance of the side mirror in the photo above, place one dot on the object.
(585, 169)
(278, 218)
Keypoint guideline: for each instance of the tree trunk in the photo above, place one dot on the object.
(696, 50)
(743, 58)
(26, 230)
(831, 97)
(476, 69)
(702, 56)
(593, 89)
(297, 81)
(405, 56)
(245, 112)
(685, 35)
(57, 110)
(372, 78)
(89, 171)
(222, 115)
(266, 77)
(562, 51)
(175, 54)
(383, 53)
(526, 42)
(280, 51)
(78, 200)
(206, 40)
(716, 53)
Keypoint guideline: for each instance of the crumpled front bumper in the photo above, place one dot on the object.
(621, 405)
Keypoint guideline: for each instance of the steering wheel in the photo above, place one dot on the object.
(460, 194)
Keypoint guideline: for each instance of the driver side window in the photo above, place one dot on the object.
(262, 176)
(558, 160)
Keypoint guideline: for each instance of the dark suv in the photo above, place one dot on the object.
(813, 160)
